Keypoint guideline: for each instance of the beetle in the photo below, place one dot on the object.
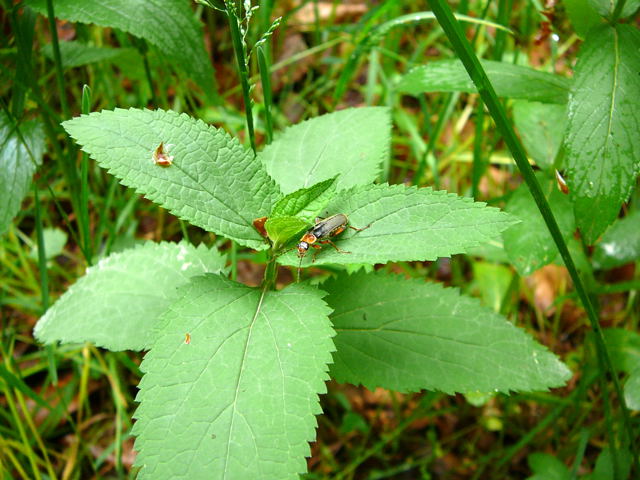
(322, 231)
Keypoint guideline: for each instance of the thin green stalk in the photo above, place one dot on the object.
(478, 75)
(44, 281)
(478, 160)
(57, 59)
(617, 11)
(265, 78)
(83, 218)
(238, 46)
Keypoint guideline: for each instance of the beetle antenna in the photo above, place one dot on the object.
(299, 268)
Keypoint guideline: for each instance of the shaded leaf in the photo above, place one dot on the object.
(547, 467)
(624, 348)
(492, 280)
(529, 244)
(582, 15)
(117, 302)
(238, 401)
(408, 335)
(212, 182)
(620, 244)
(16, 165)
(76, 54)
(406, 223)
(170, 26)
(541, 127)
(606, 7)
(508, 80)
(351, 143)
(602, 151)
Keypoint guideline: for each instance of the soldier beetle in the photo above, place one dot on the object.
(321, 232)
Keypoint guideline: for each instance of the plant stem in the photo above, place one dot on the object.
(265, 78)
(57, 58)
(238, 46)
(83, 218)
(463, 49)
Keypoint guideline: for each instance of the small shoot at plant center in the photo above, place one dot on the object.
(161, 155)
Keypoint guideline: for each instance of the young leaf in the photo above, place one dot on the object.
(541, 126)
(281, 229)
(409, 335)
(620, 244)
(529, 244)
(16, 165)
(351, 143)
(405, 224)
(238, 400)
(170, 26)
(211, 180)
(305, 203)
(602, 151)
(117, 302)
(509, 80)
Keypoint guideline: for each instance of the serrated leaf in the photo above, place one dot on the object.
(76, 54)
(238, 401)
(508, 80)
(405, 224)
(117, 302)
(541, 126)
(305, 203)
(212, 182)
(16, 165)
(281, 229)
(602, 151)
(620, 244)
(529, 244)
(351, 143)
(408, 335)
(170, 26)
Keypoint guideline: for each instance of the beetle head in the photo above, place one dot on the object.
(302, 248)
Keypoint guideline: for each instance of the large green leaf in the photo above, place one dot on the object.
(351, 143)
(541, 127)
(508, 80)
(602, 148)
(169, 25)
(16, 165)
(529, 244)
(118, 301)
(406, 223)
(409, 335)
(620, 244)
(547, 467)
(238, 399)
(213, 182)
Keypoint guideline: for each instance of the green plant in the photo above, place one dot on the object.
(233, 373)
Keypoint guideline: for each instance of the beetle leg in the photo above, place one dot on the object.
(359, 229)
(326, 240)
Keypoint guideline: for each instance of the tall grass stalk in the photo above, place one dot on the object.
(465, 52)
